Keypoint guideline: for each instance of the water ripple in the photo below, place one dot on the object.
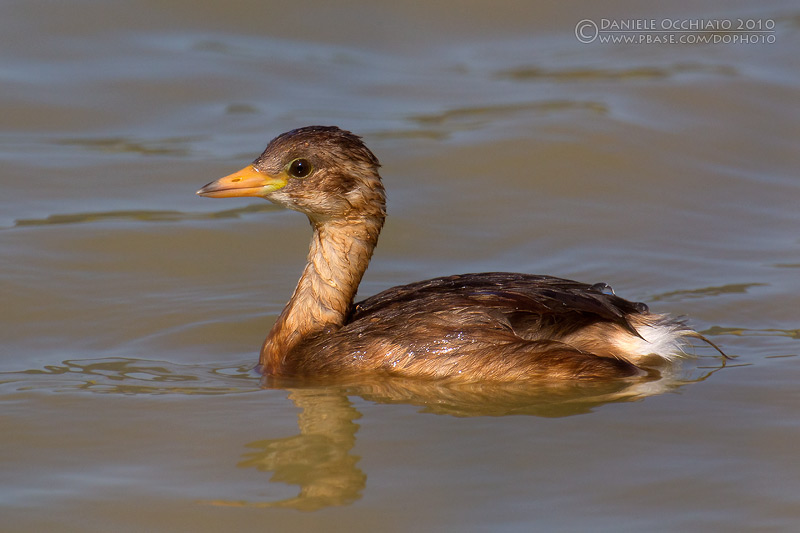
(593, 74)
(731, 288)
(753, 332)
(133, 376)
(141, 216)
(121, 145)
(487, 114)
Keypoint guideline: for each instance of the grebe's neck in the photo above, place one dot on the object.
(337, 259)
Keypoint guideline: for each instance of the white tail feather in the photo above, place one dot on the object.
(665, 338)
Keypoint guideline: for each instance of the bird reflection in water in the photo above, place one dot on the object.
(319, 458)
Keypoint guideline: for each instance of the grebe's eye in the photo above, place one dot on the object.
(300, 168)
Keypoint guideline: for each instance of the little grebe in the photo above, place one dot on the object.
(491, 326)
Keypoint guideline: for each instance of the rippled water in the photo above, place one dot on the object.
(133, 310)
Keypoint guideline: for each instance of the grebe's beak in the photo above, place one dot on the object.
(247, 182)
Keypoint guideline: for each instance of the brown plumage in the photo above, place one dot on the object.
(491, 326)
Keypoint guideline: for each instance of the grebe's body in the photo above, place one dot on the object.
(491, 326)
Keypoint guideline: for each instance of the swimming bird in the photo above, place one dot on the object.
(499, 327)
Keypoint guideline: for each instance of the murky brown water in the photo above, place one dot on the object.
(133, 310)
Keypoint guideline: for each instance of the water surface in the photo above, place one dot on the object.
(133, 310)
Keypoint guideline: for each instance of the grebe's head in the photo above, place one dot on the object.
(322, 171)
